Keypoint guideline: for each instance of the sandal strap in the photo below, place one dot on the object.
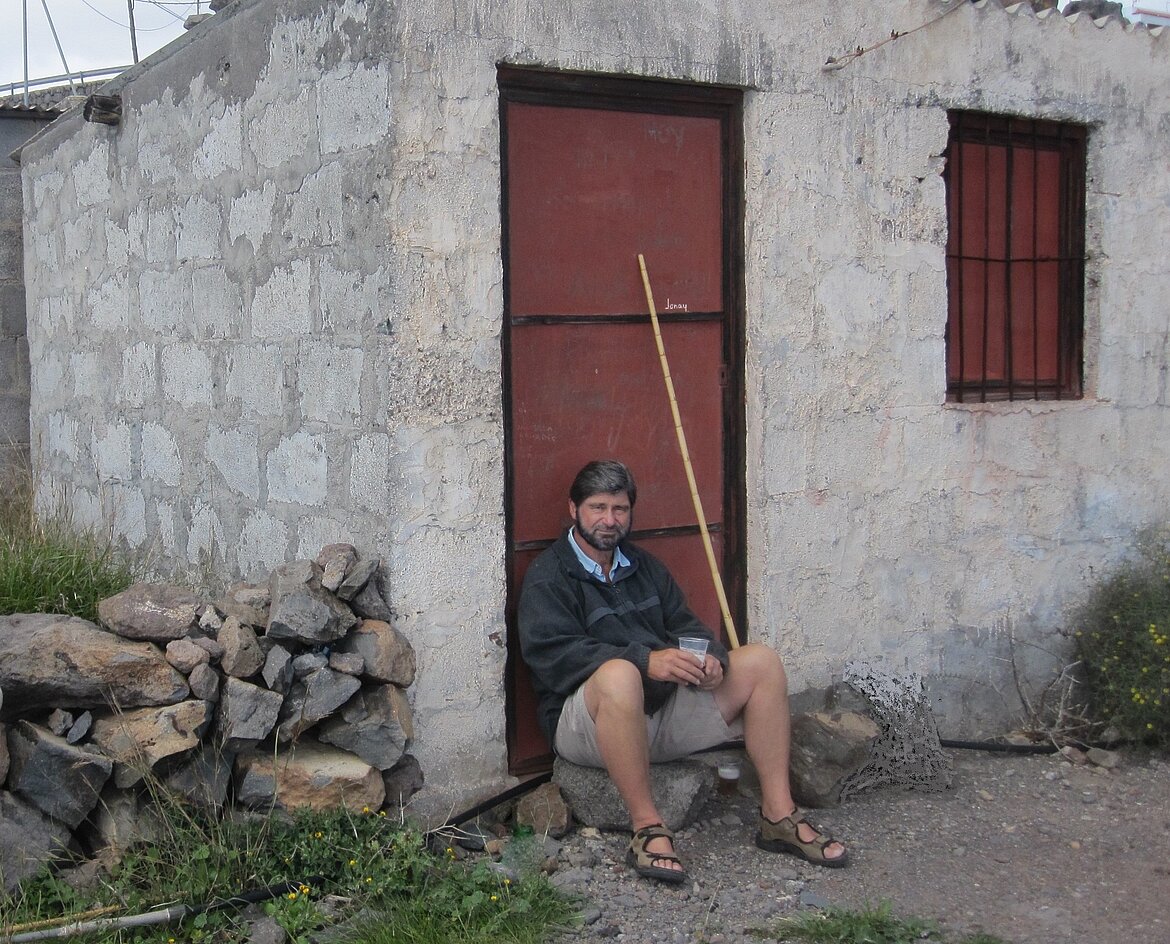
(653, 831)
(647, 834)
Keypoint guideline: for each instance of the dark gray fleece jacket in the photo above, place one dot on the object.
(570, 623)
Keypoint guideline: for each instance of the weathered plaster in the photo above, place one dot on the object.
(278, 284)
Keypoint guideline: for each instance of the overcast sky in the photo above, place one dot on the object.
(94, 34)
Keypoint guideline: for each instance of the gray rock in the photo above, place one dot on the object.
(69, 662)
(827, 749)
(59, 722)
(335, 560)
(247, 602)
(211, 646)
(140, 738)
(210, 619)
(370, 602)
(204, 778)
(357, 577)
(376, 725)
(387, 655)
(247, 713)
(266, 930)
(278, 669)
(61, 780)
(308, 662)
(313, 699)
(80, 728)
(3, 752)
(155, 611)
(348, 662)
(403, 780)
(184, 654)
(123, 818)
(28, 839)
(1099, 757)
(680, 789)
(242, 657)
(302, 610)
(204, 682)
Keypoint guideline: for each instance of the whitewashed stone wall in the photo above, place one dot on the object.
(265, 314)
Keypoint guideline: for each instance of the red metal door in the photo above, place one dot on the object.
(594, 174)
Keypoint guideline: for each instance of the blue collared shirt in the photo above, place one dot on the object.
(592, 567)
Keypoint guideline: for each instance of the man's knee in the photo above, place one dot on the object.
(762, 662)
(617, 682)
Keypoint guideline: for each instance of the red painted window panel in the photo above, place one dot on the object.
(1015, 258)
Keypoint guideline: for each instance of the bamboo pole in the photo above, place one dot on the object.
(728, 625)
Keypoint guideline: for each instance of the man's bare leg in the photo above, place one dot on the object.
(756, 687)
(613, 698)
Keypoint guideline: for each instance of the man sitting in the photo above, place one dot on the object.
(600, 621)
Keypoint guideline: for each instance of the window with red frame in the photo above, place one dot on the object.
(1015, 258)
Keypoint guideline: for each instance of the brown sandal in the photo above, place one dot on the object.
(643, 859)
(783, 835)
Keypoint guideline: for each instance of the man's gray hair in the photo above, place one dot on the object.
(603, 476)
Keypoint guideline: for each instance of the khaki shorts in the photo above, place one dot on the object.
(689, 721)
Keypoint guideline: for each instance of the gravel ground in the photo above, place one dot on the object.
(1031, 848)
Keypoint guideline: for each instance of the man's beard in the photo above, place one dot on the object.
(601, 539)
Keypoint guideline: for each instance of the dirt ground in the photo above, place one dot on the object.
(1030, 848)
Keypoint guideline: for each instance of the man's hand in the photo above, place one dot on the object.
(674, 665)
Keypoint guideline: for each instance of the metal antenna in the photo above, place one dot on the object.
(133, 33)
(60, 51)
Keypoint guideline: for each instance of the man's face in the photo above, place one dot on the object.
(603, 520)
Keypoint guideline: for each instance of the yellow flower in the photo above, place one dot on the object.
(365, 809)
(353, 861)
(368, 880)
(305, 889)
(507, 881)
(495, 897)
(292, 896)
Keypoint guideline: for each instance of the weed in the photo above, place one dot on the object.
(49, 566)
(366, 863)
(1123, 643)
(871, 925)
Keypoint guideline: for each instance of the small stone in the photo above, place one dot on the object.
(349, 663)
(210, 620)
(1074, 844)
(59, 722)
(1074, 755)
(1100, 757)
(308, 662)
(212, 647)
(204, 682)
(984, 795)
(810, 899)
(184, 655)
(80, 728)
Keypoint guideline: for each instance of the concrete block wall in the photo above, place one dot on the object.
(266, 314)
(14, 370)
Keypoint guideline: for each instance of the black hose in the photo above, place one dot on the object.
(1001, 747)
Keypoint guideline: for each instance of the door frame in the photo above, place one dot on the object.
(587, 90)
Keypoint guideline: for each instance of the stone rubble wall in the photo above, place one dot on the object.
(288, 693)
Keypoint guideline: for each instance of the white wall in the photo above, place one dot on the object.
(265, 314)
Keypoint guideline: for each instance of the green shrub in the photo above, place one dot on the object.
(1123, 644)
(48, 566)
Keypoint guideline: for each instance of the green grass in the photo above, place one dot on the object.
(49, 566)
(872, 925)
(382, 883)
